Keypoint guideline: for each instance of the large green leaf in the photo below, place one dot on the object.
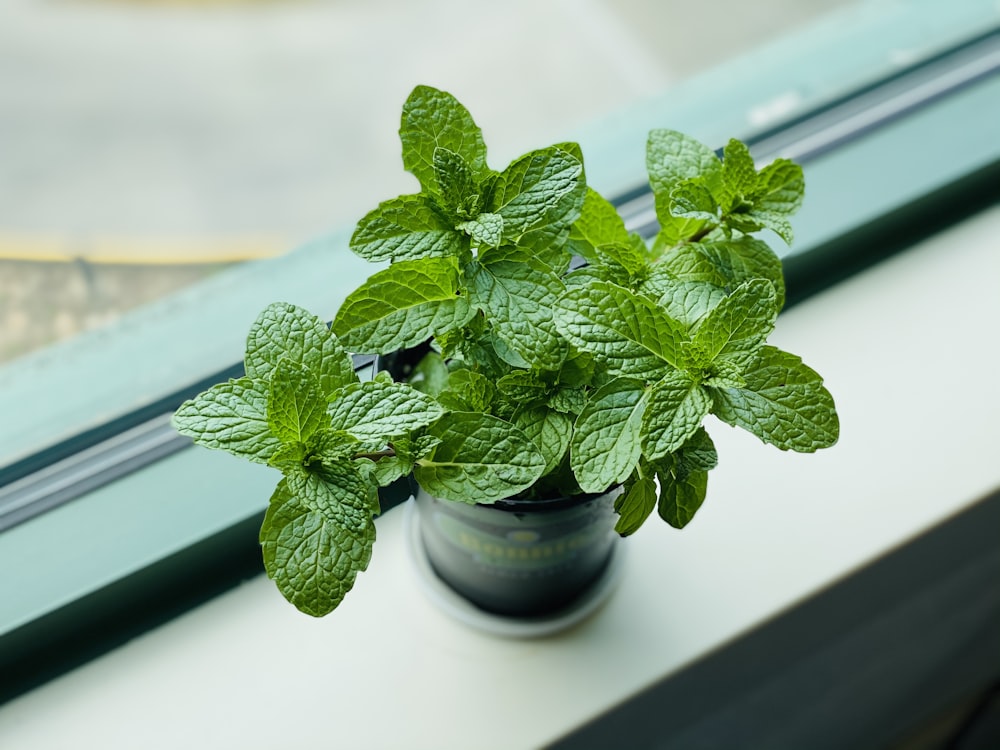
(435, 119)
(739, 324)
(296, 407)
(681, 497)
(629, 333)
(480, 459)
(607, 435)
(675, 411)
(599, 224)
(407, 227)
(377, 410)
(673, 157)
(286, 331)
(518, 297)
(783, 403)
(403, 305)
(231, 417)
(310, 555)
(532, 186)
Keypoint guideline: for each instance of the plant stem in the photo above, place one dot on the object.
(376, 455)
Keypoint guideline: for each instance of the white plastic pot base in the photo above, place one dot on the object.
(469, 614)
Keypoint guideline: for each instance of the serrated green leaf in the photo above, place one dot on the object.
(296, 407)
(231, 417)
(403, 305)
(607, 435)
(286, 331)
(377, 410)
(328, 445)
(404, 228)
(739, 174)
(685, 301)
(672, 157)
(486, 229)
(673, 229)
(599, 224)
(780, 188)
(697, 454)
(468, 391)
(518, 297)
(549, 430)
(629, 257)
(739, 324)
(776, 222)
(690, 199)
(523, 387)
(783, 403)
(289, 457)
(532, 186)
(455, 183)
(635, 505)
(630, 334)
(677, 405)
(480, 459)
(569, 400)
(313, 559)
(680, 499)
(435, 119)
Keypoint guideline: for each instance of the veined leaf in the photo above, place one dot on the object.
(468, 391)
(312, 558)
(480, 459)
(599, 224)
(739, 324)
(677, 405)
(403, 305)
(404, 228)
(283, 330)
(690, 199)
(686, 301)
(630, 333)
(455, 182)
(672, 157)
(376, 410)
(635, 505)
(435, 119)
(518, 297)
(739, 174)
(532, 186)
(549, 430)
(485, 229)
(231, 417)
(296, 407)
(681, 497)
(784, 403)
(607, 435)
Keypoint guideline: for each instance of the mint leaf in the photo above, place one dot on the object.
(523, 387)
(681, 497)
(780, 188)
(468, 391)
(456, 184)
(532, 186)
(313, 558)
(376, 410)
(518, 297)
(676, 407)
(690, 199)
(630, 333)
(607, 435)
(673, 157)
(231, 417)
(485, 229)
(286, 331)
(685, 301)
(739, 174)
(480, 459)
(403, 305)
(783, 403)
(635, 505)
(549, 430)
(430, 376)
(434, 119)
(404, 228)
(296, 407)
(673, 229)
(599, 224)
(739, 324)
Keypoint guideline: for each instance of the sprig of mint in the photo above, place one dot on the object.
(541, 381)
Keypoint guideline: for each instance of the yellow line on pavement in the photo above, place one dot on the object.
(143, 251)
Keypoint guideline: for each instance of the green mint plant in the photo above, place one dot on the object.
(541, 381)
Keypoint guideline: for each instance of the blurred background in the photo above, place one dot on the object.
(147, 144)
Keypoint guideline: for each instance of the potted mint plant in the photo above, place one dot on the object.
(569, 398)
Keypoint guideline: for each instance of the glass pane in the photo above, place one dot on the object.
(148, 145)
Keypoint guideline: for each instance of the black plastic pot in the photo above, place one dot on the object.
(521, 558)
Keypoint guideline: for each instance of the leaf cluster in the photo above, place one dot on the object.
(542, 379)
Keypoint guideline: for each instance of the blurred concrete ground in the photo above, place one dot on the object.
(145, 144)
